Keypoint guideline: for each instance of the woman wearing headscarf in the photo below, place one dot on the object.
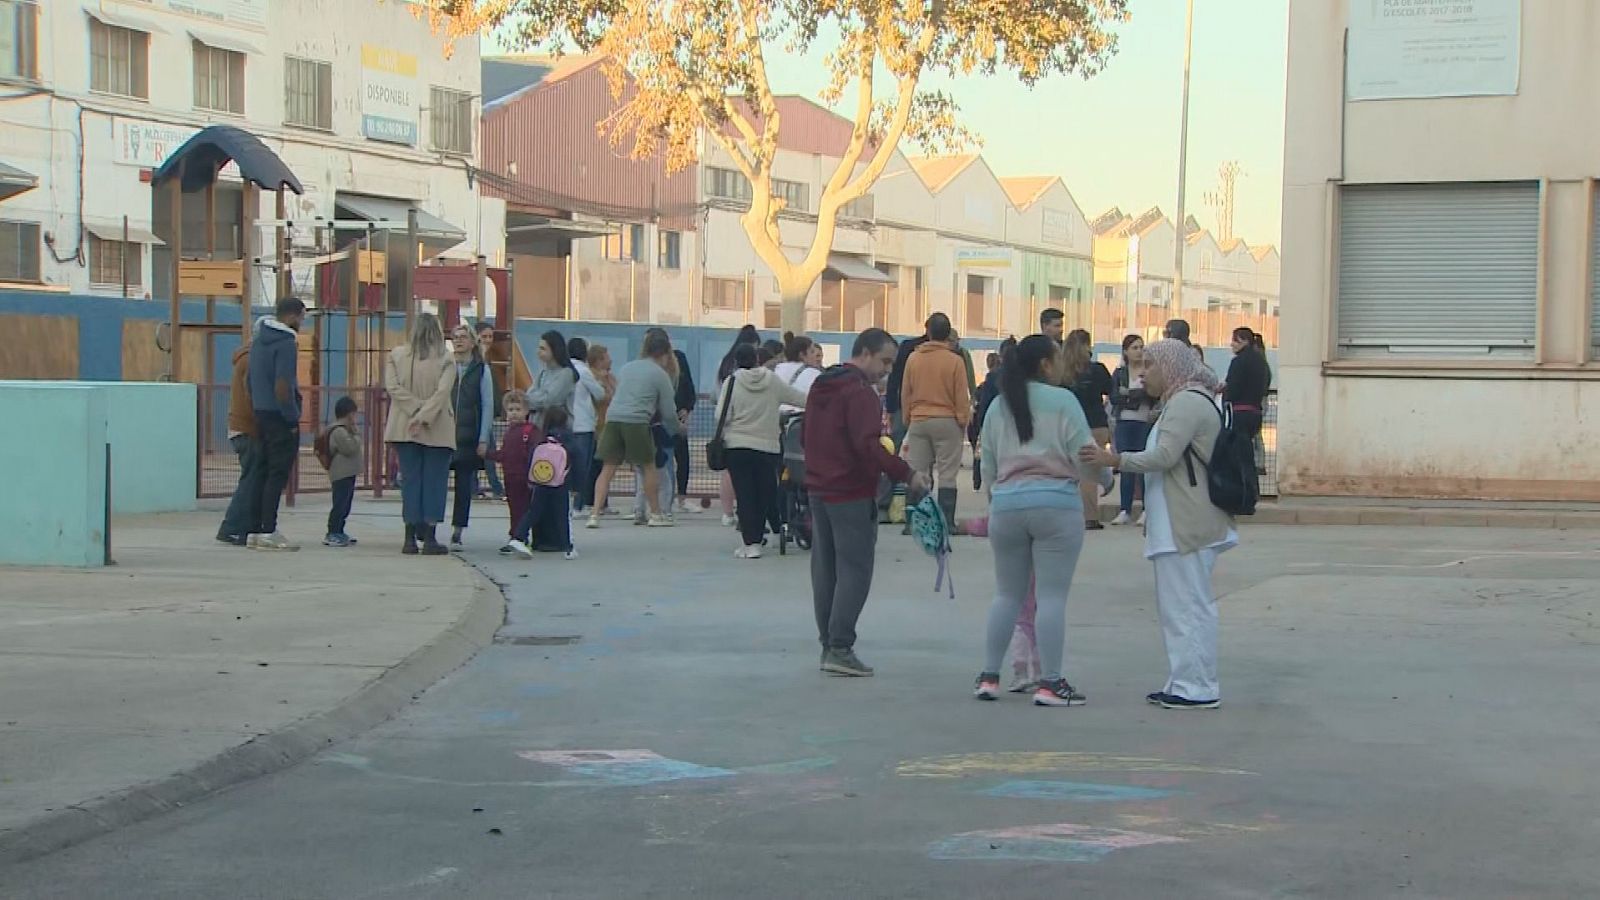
(1184, 531)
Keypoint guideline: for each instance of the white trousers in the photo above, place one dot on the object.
(1188, 610)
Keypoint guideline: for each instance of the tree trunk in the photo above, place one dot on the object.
(793, 313)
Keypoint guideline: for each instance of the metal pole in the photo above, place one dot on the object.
(408, 283)
(633, 292)
(175, 312)
(124, 257)
(281, 248)
(1176, 301)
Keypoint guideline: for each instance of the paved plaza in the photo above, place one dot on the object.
(1407, 713)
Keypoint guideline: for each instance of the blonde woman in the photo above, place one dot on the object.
(422, 430)
(1184, 531)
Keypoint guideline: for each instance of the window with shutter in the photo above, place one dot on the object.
(1438, 270)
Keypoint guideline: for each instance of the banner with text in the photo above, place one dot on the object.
(389, 99)
(1434, 48)
(237, 13)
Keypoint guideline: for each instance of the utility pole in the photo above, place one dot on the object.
(1176, 302)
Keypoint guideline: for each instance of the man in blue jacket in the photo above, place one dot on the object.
(275, 397)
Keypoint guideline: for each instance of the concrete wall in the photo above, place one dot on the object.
(1414, 428)
(54, 451)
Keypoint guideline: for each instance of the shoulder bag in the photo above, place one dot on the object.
(716, 450)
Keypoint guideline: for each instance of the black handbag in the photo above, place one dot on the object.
(716, 451)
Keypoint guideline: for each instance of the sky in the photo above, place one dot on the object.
(1114, 139)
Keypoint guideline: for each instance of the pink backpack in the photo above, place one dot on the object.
(548, 466)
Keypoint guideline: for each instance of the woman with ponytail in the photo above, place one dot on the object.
(802, 363)
(1030, 442)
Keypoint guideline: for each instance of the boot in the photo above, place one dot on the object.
(430, 542)
(947, 505)
(409, 548)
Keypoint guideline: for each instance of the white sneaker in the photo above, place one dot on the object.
(274, 541)
(251, 540)
(1140, 523)
(521, 549)
(570, 554)
(687, 508)
(1122, 519)
(749, 551)
(640, 518)
(730, 521)
(661, 520)
(594, 522)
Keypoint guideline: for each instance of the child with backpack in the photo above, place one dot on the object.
(514, 453)
(338, 449)
(547, 524)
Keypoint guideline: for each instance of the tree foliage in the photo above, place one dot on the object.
(680, 68)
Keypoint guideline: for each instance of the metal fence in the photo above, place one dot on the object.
(218, 467)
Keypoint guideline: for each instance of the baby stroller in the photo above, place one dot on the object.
(794, 508)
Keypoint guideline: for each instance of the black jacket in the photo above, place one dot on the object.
(469, 412)
(685, 397)
(897, 375)
(1249, 378)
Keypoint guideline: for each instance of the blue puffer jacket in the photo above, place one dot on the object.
(274, 380)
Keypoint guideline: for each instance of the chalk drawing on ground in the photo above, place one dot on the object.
(1065, 843)
(1077, 791)
(968, 765)
(623, 768)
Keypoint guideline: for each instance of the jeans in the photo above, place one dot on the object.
(1040, 546)
(466, 488)
(668, 481)
(844, 544)
(424, 472)
(580, 462)
(547, 520)
(755, 490)
(242, 516)
(1130, 437)
(495, 487)
(280, 444)
(344, 495)
(680, 453)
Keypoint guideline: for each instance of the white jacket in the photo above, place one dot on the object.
(753, 420)
(588, 392)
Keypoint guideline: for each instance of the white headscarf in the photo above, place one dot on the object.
(1182, 367)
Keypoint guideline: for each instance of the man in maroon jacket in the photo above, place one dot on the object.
(844, 459)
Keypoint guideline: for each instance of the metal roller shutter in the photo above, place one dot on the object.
(1438, 269)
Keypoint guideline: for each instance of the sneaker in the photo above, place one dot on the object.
(1140, 523)
(685, 507)
(594, 522)
(1094, 525)
(730, 521)
(1057, 693)
(845, 662)
(521, 549)
(349, 540)
(822, 664)
(641, 518)
(237, 540)
(335, 540)
(749, 551)
(608, 511)
(570, 554)
(274, 541)
(1122, 519)
(455, 540)
(1173, 701)
(250, 540)
(1022, 684)
(1154, 698)
(988, 686)
(661, 520)
(507, 550)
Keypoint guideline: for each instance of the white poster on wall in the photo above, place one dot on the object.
(1434, 48)
(389, 100)
(250, 14)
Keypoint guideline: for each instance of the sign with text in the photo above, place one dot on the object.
(1056, 226)
(147, 144)
(237, 13)
(389, 97)
(983, 257)
(1434, 48)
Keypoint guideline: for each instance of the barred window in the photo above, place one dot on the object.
(19, 39)
(451, 116)
(106, 259)
(119, 60)
(307, 93)
(19, 251)
(218, 79)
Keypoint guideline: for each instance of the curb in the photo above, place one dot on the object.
(371, 705)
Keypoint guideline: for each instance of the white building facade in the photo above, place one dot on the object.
(357, 96)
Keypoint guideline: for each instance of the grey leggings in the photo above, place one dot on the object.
(1040, 544)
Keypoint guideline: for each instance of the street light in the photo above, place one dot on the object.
(1176, 300)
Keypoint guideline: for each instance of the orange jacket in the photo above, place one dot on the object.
(241, 412)
(935, 385)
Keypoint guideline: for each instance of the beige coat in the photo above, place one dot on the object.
(1187, 420)
(420, 391)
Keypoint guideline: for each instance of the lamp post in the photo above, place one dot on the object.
(1175, 302)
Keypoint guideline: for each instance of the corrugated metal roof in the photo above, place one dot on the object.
(938, 171)
(1025, 189)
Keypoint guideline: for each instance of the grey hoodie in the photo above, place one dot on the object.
(753, 419)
